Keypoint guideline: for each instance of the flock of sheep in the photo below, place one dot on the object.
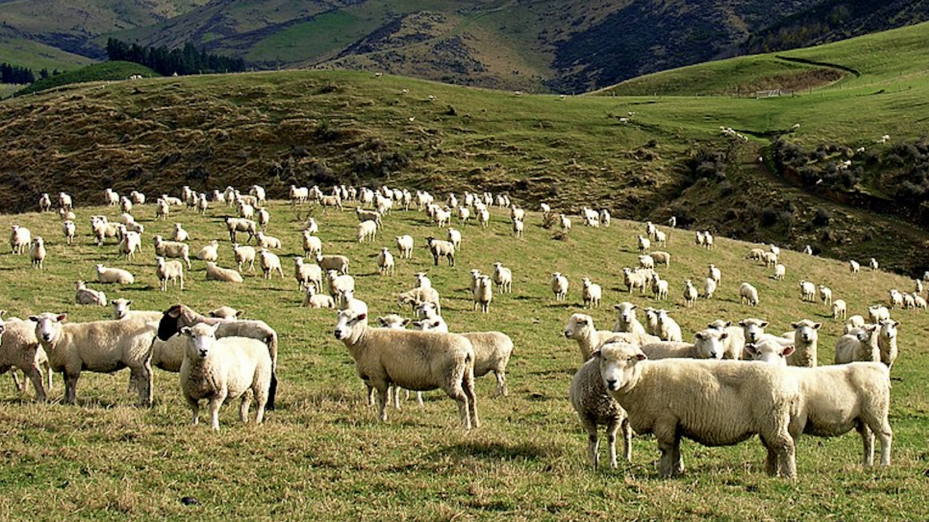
(638, 377)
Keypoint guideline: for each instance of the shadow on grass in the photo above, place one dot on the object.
(493, 451)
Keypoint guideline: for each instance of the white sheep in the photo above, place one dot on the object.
(644, 244)
(734, 342)
(38, 252)
(594, 408)
(137, 197)
(859, 344)
(405, 246)
(853, 266)
(660, 287)
(418, 361)
(708, 344)
(873, 264)
(65, 202)
(20, 239)
(169, 270)
(69, 229)
(419, 295)
(709, 287)
(503, 278)
(565, 223)
(306, 274)
(99, 346)
(45, 203)
(340, 285)
(805, 343)
(366, 230)
(441, 249)
(605, 217)
(770, 259)
(591, 293)
(483, 217)
(209, 252)
(716, 403)
(20, 349)
(130, 244)
(179, 234)
(646, 262)
(236, 225)
(887, 342)
(749, 294)
(780, 272)
(114, 275)
(636, 278)
(896, 299)
(559, 286)
(224, 369)
(86, 296)
(454, 237)
(839, 309)
(518, 227)
(269, 263)
(385, 262)
(825, 294)
(483, 294)
(690, 294)
(581, 329)
(162, 209)
(265, 241)
(668, 329)
(172, 249)
(855, 321)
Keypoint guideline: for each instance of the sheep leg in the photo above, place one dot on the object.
(501, 384)
(194, 405)
(784, 449)
(382, 401)
(71, 386)
(611, 430)
(370, 393)
(35, 375)
(467, 385)
(48, 370)
(16, 382)
(419, 399)
(215, 402)
(144, 379)
(593, 445)
(244, 406)
(627, 440)
(886, 435)
(666, 447)
(867, 442)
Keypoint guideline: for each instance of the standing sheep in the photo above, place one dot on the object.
(270, 263)
(37, 252)
(405, 246)
(69, 229)
(690, 294)
(172, 249)
(385, 262)
(591, 293)
(441, 249)
(169, 270)
(825, 294)
(503, 278)
(483, 294)
(594, 408)
(224, 369)
(20, 239)
(749, 294)
(839, 310)
(559, 286)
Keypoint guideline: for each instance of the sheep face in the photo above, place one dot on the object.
(806, 331)
(120, 308)
(349, 321)
(754, 329)
(710, 343)
(200, 340)
(578, 326)
(889, 329)
(770, 352)
(618, 364)
(48, 326)
(626, 312)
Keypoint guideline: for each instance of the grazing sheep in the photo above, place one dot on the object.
(21, 350)
(594, 408)
(559, 286)
(441, 249)
(591, 293)
(114, 275)
(855, 321)
(99, 346)
(86, 296)
(756, 254)
(209, 252)
(780, 271)
(385, 262)
(405, 246)
(853, 266)
(839, 309)
(668, 329)
(69, 229)
(266, 241)
(137, 197)
(690, 294)
(492, 352)
(675, 397)
(224, 369)
(236, 225)
(169, 270)
(661, 258)
(749, 294)
(332, 262)
(503, 278)
(418, 361)
(269, 263)
(37, 252)
(172, 249)
(715, 274)
(708, 344)
(483, 294)
(825, 294)
(565, 224)
(734, 342)
(896, 299)
(709, 288)
(770, 259)
(20, 239)
(66, 215)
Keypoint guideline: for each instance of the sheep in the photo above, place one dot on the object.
(393, 321)
(594, 408)
(559, 286)
(808, 250)
(636, 279)
(887, 342)
(483, 218)
(100, 346)
(86, 296)
(269, 263)
(651, 322)
(896, 299)
(235, 225)
(172, 249)
(20, 239)
(169, 355)
(859, 344)
(420, 295)
(311, 226)
(749, 294)
(340, 285)
(661, 258)
(734, 342)
(37, 252)
(674, 397)
(855, 321)
(454, 237)
(102, 229)
(668, 329)
(224, 369)
(660, 287)
(246, 211)
(873, 264)
(21, 349)
(405, 246)
(709, 288)
(266, 241)
(66, 215)
(306, 274)
(604, 217)
(825, 294)
(110, 198)
(770, 259)
(853, 266)
(114, 275)
(591, 293)
(179, 234)
(137, 197)
(644, 244)
(366, 230)
(483, 294)
(805, 343)
(418, 361)
(708, 344)
(839, 309)
(503, 278)
(209, 252)
(385, 262)
(441, 249)
(122, 311)
(646, 262)
(332, 262)
(172, 270)
(919, 302)
(877, 313)
(835, 399)
(69, 229)
(65, 202)
(244, 254)
(780, 271)
(690, 294)
(314, 300)
(423, 281)
(700, 238)
(45, 203)
(581, 329)
(162, 209)
(125, 206)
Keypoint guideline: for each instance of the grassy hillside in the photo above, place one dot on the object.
(36, 55)
(106, 71)
(323, 455)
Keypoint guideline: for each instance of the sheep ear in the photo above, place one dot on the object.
(616, 306)
(361, 317)
(2, 328)
(382, 321)
(788, 350)
(764, 324)
(174, 312)
(240, 313)
(896, 324)
(61, 317)
(725, 335)
(741, 323)
(128, 303)
(751, 349)
(34, 318)
(407, 321)
(817, 326)
(595, 355)
(185, 330)
(794, 325)
(641, 356)
(2, 313)
(699, 335)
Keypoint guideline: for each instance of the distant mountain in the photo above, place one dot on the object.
(548, 45)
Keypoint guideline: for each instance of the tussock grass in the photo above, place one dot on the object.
(323, 455)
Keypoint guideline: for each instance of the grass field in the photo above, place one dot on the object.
(323, 455)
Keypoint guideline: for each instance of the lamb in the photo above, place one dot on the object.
(86, 296)
(235, 225)
(38, 253)
(661, 258)
(749, 294)
(503, 278)
(224, 369)
(659, 287)
(405, 246)
(591, 293)
(559, 286)
(209, 252)
(887, 342)
(651, 321)
(853, 266)
(780, 271)
(20, 239)
(169, 355)
(266, 241)
(594, 408)
(483, 294)
(419, 295)
(675, 397)
(21, 349)
(668, 329)
(69, 229)
(100, 346)
(418, 361)
(333, 262)
(366, 230)
(114, 275)
(708, 344)
(518, 228)
(441, 249)
(172, 249)
(855, 321)
(644, 244)
(825, 294)
(690, 294)
(179, 234)
(244, 254)
(269, 263)
(45, 203)
(734, 342)
(169, 270)
(385, 262)
(839, 309)
(807, 291)
(314, 300)
(877, 313)
(709, 287)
